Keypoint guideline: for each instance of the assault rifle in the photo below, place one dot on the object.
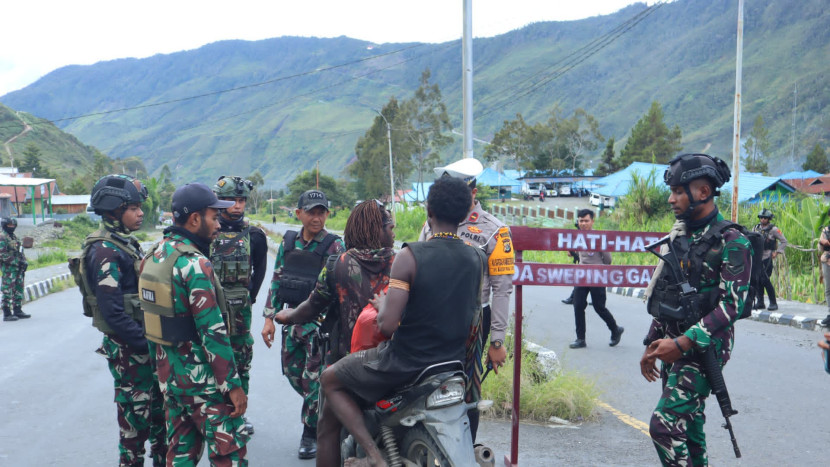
(688, 303)
(714, 373)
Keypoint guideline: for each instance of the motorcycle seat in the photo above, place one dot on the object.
(453, 366)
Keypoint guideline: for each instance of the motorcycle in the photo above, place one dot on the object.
(425, 423)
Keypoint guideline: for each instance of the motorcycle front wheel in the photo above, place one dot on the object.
(419, 447)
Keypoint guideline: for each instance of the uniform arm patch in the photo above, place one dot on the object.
(501, 261)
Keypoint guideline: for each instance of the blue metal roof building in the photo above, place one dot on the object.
(751, 187)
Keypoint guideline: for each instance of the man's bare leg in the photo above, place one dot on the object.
(328, 436)
(347, 411)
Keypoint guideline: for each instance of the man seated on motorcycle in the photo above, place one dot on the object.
(430, 311)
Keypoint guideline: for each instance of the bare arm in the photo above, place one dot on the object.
(391, 310)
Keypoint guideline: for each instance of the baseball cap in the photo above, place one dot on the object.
(311, 199)
(195, 197)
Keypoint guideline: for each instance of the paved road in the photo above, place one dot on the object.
(56, 396)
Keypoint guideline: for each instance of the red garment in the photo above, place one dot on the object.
(366, 333)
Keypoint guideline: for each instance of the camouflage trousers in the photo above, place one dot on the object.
(302, 365)
(677, 423)
(139, 403)
(242, 344)
(12, 288)
(193, 421)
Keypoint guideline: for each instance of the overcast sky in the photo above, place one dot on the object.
(38, 36)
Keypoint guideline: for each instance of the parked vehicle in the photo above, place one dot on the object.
(425, 423)
(600, 200)
(565, 190)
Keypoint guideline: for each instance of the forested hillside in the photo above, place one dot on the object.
(280, 105)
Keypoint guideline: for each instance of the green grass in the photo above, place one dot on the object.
(74, 233)
(61, 284)
(48, 259)
(567, 394)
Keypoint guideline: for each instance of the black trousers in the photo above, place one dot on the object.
(581, 302)
(766, 283)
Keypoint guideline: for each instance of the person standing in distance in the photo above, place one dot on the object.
(13, 264)
(598, 296)
(301, 257)
(239, 255)
(716, 259)
(108, 269)
(774, 245)
(184, 317)
(483, 230)
(824, 245)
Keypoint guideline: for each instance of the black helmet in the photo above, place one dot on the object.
(114, 191)
(687, 167)
(766, 213)
(8, 224)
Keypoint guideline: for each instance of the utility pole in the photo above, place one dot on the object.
(795, 105)
(736, 124)
(391, 173)
(467, 71)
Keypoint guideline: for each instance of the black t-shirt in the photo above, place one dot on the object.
(443, 300)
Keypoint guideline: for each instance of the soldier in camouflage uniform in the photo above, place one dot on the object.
(13, 264)
(183, 314)
(109, 285)
(717, 262)
(239, 256)
(299, 261)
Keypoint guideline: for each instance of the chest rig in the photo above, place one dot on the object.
(301, 268)
(230, 254)
(78, 268)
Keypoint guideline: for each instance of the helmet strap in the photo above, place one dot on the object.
(693, 204)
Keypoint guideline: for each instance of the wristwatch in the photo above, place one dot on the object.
(497, 344)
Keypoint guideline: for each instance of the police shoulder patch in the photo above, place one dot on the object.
(473, 217)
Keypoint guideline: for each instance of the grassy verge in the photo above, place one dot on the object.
(566, 394)
(62, 284)
(49, 258)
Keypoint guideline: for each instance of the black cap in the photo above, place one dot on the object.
(311, 199)
(194, 197)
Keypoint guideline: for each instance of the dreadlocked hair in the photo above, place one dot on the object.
(364, 227)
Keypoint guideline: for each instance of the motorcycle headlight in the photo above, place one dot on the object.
(451, 392)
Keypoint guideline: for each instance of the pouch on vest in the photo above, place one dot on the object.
(301, 268)
(231, 257)
(77, 266)
(238, 298)
(155, 285)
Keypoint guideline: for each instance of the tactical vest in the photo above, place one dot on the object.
(693, 257)
(77, 266)
(161, 323)
(770, 242)
(231, 258)
(300, 268)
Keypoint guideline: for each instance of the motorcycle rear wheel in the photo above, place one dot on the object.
(419, 447)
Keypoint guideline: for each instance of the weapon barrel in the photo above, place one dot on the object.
(714, 373)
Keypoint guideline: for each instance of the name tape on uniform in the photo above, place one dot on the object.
(536, 239)
(582, 275)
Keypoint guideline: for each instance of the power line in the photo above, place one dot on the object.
(589, 51)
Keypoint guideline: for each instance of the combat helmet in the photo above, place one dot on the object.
(113, 191)
(687, 167)
(766, 213)
(8, 224)
(232, 187)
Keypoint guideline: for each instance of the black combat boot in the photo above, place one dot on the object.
(18, 313)
(7, 314)
(308, 443)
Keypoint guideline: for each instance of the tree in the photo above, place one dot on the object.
(335, 191)
(577, 135)
(651, 140)
(255, 197)
(132, 166)
(31, 162)
(512, 141)
(371, 169)
(757, 147)
(427, 123)
(608, 164)
(817, 160)
(101, 165)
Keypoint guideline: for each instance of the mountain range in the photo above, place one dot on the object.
(282, 105)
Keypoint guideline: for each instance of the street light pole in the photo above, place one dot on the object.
(391, 176)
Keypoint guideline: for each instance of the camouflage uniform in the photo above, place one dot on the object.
(13, 264)
(677, 423)
(111, 274)
(301, 358)
(241, 340)
(196, 376)
(774, 241)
